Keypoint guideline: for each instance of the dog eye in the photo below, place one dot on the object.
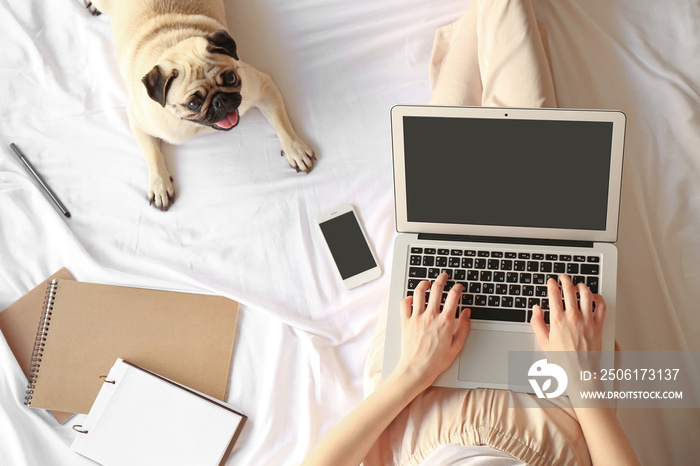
(195, 104)
(229, 78)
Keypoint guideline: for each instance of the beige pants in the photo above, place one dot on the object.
(494, 55)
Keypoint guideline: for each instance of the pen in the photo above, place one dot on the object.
(41, 181)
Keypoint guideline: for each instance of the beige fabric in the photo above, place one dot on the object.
(538, 432)
(494, 55)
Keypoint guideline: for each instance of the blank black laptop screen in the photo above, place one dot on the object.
(502, 172)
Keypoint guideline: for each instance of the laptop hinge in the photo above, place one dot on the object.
(495, 239)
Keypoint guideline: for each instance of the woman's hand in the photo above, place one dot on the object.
(577, 328)
(431, 339)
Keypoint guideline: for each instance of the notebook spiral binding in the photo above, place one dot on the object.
(40, 340)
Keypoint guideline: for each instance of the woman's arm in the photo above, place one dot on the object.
(578, 328)
(430, 341)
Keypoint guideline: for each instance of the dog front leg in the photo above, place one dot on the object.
(269, 101)
(160, 183)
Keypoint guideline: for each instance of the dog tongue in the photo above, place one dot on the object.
(229, 121)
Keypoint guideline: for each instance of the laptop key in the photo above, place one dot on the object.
(415, 260)
(590, 269)
(417, 272)
(546, 316)
(504, 315)
(480, 300)
(412, 284)
(592, 283)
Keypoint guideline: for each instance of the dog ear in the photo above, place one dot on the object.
(221, 42)
(157, 84)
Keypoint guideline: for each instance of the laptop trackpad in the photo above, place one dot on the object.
(484, 357)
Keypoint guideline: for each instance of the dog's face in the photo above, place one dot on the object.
(197, 81)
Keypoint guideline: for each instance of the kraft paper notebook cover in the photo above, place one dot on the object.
(18, 324)
(140, 417)
(85, 327)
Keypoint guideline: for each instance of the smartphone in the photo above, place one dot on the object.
(347, 242)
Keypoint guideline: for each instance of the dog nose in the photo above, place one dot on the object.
(220, 100)
(229, 101)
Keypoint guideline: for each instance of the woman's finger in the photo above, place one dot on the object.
(556, 310)
(569, 290)
(436, 293)
(419, 296)
(452, 301)
(585, 301)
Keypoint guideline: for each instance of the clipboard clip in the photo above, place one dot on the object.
(81, 431)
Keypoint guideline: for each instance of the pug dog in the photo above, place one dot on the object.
(184, 78)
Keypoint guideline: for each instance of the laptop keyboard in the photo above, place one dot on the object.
(500, 285)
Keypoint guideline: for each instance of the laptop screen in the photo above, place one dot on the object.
(520, 173)
(525, 173)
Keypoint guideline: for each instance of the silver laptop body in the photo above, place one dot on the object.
(536, 191)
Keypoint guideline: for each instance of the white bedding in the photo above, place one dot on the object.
(243, 224)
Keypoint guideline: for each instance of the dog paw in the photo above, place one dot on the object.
(299, 156)
(91, 8)
(161, 192)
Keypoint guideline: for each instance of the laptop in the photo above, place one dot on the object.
(502, 199)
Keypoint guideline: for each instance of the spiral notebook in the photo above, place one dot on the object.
(140, 417)
(85, 327)
(18, 325)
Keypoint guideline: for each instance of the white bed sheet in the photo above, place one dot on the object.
(242, 224)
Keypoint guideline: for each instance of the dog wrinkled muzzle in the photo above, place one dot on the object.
(223, 111)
